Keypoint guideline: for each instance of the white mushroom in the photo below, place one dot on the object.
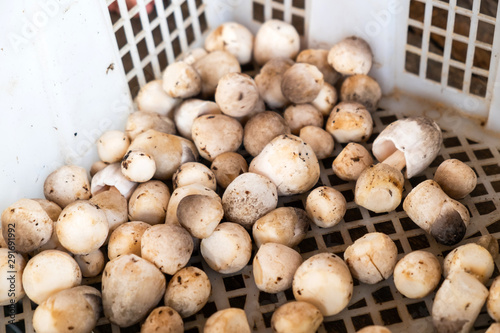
(149, 202)
(90, 264)
(324, 281)
(131, 288)
(302, 83)
(114, 206)
(490, 243)
(200, 214)
(12, 266)
(302, 115)
(319, 58)
(212, 67)
(137, 166)
(296, 317)
(179, 194)
(471, 258)
(284, 225)
(82, 227)
(67, 184)
(456, 178)
(188, 111)
(50, 207)
(233, 38)
(417, 274)
(249, 197)
(112, 146)
(261, 129)
(274, 266)
(362, 89)
(275, 39)
(350, 122)
(228, 249)
(96, 167)
(351, 162)
(372, 258)
(194, 173)
(193, 55)
(227, 166)
(126, 239)
(181, 80)
(374, 329)
(351, 56)
(41, 279)
(139, 122)
(152, 98)
(321, 141)
(109, 177)
(326, 99)
(163, 319)
(493, 302)
(293, 154)
(236, 94)
(494, 328)
(325, 206)
(168, 246)
(188, 291)
(227, 321)
(269, 81)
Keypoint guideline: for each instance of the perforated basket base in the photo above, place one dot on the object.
(379, 304)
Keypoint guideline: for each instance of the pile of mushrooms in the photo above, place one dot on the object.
(201, 167)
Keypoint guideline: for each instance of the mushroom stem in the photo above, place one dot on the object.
(396, 160)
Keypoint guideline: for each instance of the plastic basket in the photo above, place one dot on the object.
(69, 70)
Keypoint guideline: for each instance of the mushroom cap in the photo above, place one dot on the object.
(302, 83)
(302, 115)
(351, 162)
(261, 129)
(212, 67)
(96, 167)
(418, 138)
(351, 56)
(275, 39)
(193, 55)
(493, 302)
(490, 243)
(227, 321)
(233, 38)
(90, 264)
(349, 122)
(227, 166)
(152, 98)
(179, 194)
(362, 89)
(321, 141)
(188, 111)
(494, 328)
(326, 99)
(114, 206)
(236, 94)
(200, 214)
(163, 319)
(112, 146)
(325, 206)
(137, 166)
(374, 329)
(269, 80)
(324, 281)
(456, 178)
(471, 258)
(11, 273)
(296, 317)
(126, 239)
(112, 176)
(140, 121)
(188, 291)
(181, 80)
(319, 58)
(67, 184)
(194, 173)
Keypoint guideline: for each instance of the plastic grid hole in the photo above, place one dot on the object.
(337, 326)
(234, 282)
(362, 321)
(484, 208)
(385, 227)
(382, 295)
(492, 169)
(238, 301)
(359, 304)
(333, 239)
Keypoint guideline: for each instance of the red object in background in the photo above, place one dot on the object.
(130, 3)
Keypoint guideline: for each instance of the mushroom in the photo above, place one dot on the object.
(417, 274)
(114, 206)
(319, 58)
(275, 39)
(326, 99)
(284, 225)
(490, 243)
(188, 111)
(96, 167)
(227, 166)
(152, 98)
(144, 283)
(194, 173)
(432, 210)
(216, 134)
(193, 55)
(182, 192)
(168, 151)
(67, 184)
(236, 94)
(321, 141)
(200, 214)
(274, 266)
(456, 178)
(269, 80)
(137, 166)
(168, 246)
(457, 303)
(149, 202)
(494, 328)
(261, 129)
(302, 83)
(163, 319)
(227, 321)
(374, 329)
(71, 310)
(12, 265)
(493, 302)
(296, 317)
(349, 122)
(249, 197)
(26, 225)
(372, 258)
(188, 291)
(50, 207)
(302, 115)
(324, 281)
(90, 264)
(471, 258)
(181, 80)
(293, 154)
(228, 249)
(351, 56)
(41, 280)
(233, 38)
(112, 146)
(212, 67)
(112, 177)
(139, 122)
(361, 88)
(351, 162)
(126, 239)
(82, 227)
(325, 206)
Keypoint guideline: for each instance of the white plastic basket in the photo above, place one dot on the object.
(64, 79)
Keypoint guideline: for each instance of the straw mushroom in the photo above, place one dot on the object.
(200, 214)
(152, 98)
(351, 162)
(275, 39)
(112, 146)
(228, 249)
(111, 177)
(432, 210)
(12, 265)
(41, 280)
(96, 167)
(182, 192)
(233, 38)
(194, 173)
(362, 89)
(140, 121)
(269, 80)
(188, 111)
(126, 239)
(114, 206)
(188, 291)
(163, 319)
(67, 184)
(261, 129)
(302, 83)
(319, 58)
(324, 281)
(325, 206)
(351, 56)
(302, 115)
(181, 80)
(144, 283)
(213, 67)
(227, 321)
(296, 317)
(417, 274)
(374, 329)
(90, 264)
(490, 243)
(137, 166)
(349, 122)
(227, 166)
(456, 178)
(326, 99)
(493, 302)
(494, 328)
(51, 208)
(321, 141)
(236, 94)
(372, 258)
(149, 202)
(193, 55)
(471, 258)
